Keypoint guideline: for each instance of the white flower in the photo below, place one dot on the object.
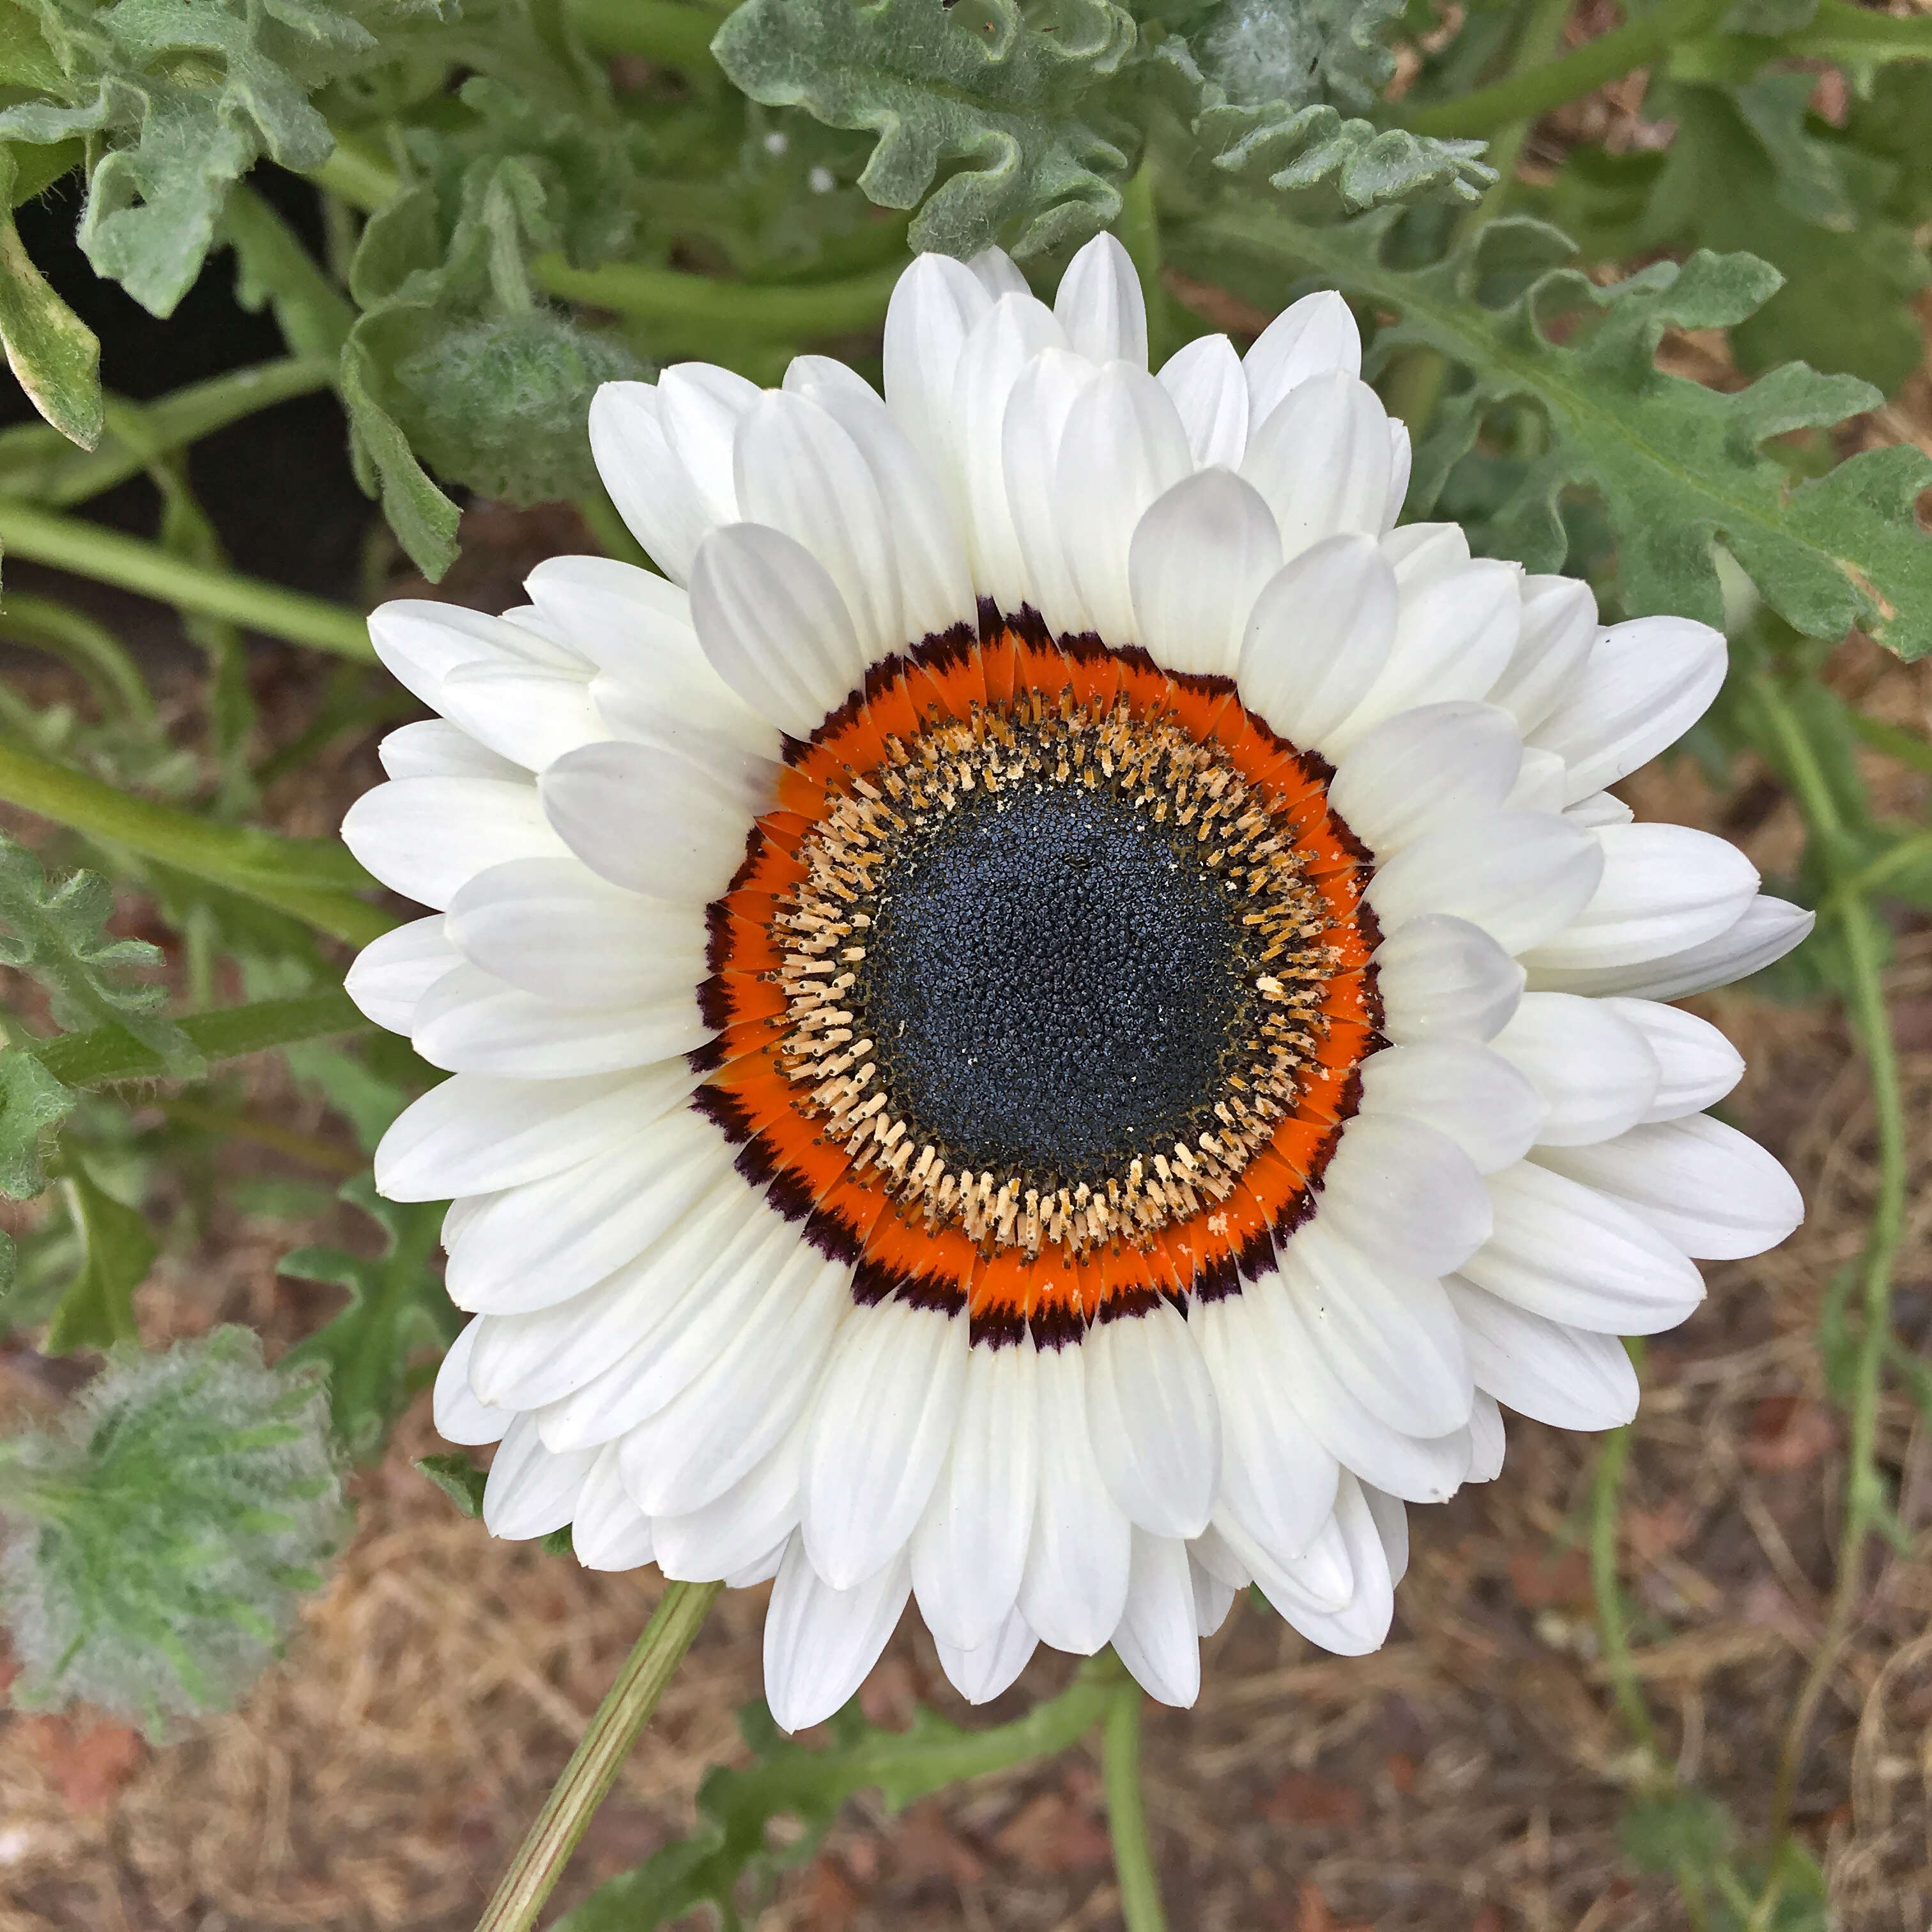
(1054, 1020)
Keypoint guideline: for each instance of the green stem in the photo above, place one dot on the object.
(88, 549)
(1522, 97)
(39, 462)
(1140, 235)
(661, 31)
(314, 880)
(1872, 1022)
(1127, 1816)
(1613, 1626)
(228, 1122)
(106, 1056)
(43, 623)
(595, 1764)
(759, 311)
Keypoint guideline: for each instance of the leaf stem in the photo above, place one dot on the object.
(109, 556)
(314, 880)
(106, 1056)
(1126, 1815)
(599, 1756)
(1872, 1022)
(1612, 1625)
(661, 31)
(1523, 96)
(1140, 235)
(757, 311)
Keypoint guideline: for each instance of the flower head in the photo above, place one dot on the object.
(1053, 1018)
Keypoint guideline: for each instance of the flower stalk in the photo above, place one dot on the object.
(1127, 1813)
(594, 1765)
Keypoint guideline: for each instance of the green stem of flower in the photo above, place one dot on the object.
(40, 462)
(314, 879)
(106, 1056)
(752, 311)
(1140, 235)
(594, 1765)
(1126, 1815)
(1612, 1625)
(228, 1122)
(1872, 1021)
(1522, 97)
(661, 31)
(109, 556)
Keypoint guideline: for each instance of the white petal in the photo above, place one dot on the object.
(821, 1643)
(1419, 769)
(608, 1530)
(1706, 1188)
(980, 1674)
(1522, 876)
(1563, 1250)
(1004, 341)
(740, 1406)
(1663, 888)
(470, 1021)
(1312, 336)
(1390, 1516)
(969, 1552)
(1421, 1469)
(532, 1247)
(1697, 1065)
(1076, 1573)
(1205, 379)
(654, 683)
(530, 1360)
(1389, 1335)
(1211, 1551)
(1596, 1072)
(934, 581)
(649, 819)
(458, 1415)
(732, 1532)
(391, 974)
(882, 1424)
(1468, 1092)
(1404, 1194)
(1487, 1441)
(1276, 1480)
(435, 749)
(1318, 637)
(1151, 1415)
(531, 1491)
(1441, 978)
(1099, 305)
(799, 472)
(1600, 808)
(646, 481)
(1322, 460)
(1539, 785)
(1767, 930)
(699, 409)
(774, 625)
(426, 838)
(1569, 1377)
(1212, 1598)
(421, 642)
(1122, 447)
(1559, 626)
(998, 274)
(473, 1134)
(1452, 638)
(553, 927)
(1199, 558)
(1036, 417)
(1362, 1625)
(1157, 1640)
(1419, 554)
(526, 713)
(1643, 686)
(933, 306)
(1402, 467)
